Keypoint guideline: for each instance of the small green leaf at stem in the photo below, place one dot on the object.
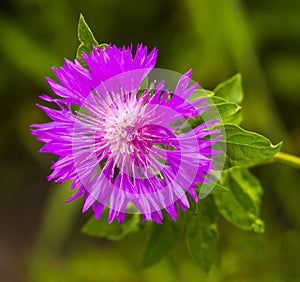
(85, 34)
(241, 205)
(231, 89)
(111, 231)
(246, 148)
(202, 234)
(86, 38)
(163, 238)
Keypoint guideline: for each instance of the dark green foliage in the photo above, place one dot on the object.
(202, 234)
(112, 231)
(162, 240)
(237, 196)
(241, 205)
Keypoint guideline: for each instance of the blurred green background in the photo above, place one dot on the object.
(40, 237)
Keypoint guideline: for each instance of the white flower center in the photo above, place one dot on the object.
(121, 131)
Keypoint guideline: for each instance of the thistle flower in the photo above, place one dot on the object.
(121, 144)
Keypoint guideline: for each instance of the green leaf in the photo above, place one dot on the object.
(241, 205)
(245, 148)
(219, 188)
(231, 89)
(200, 93)
(85, 34)
(229, 112)
(86, 38)
(202, 234)
(112, 231)
(163, 238)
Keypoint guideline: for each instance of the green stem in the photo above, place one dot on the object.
(287, 159)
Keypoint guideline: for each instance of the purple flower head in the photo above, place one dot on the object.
(121, 143)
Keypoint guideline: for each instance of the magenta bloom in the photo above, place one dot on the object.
(121, 144)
